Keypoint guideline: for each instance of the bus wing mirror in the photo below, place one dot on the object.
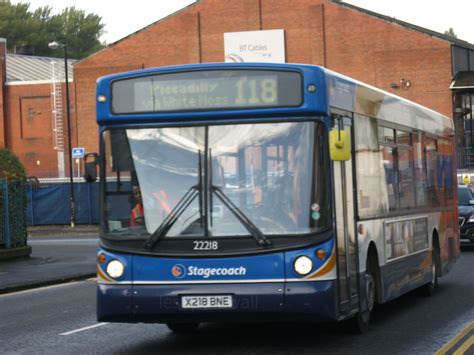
(339, 145)
(90, 162)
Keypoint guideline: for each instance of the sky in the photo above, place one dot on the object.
(121, 19)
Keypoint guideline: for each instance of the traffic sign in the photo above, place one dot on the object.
(78, 152)
(466, 179)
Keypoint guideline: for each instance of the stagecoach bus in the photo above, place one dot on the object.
(267, 191)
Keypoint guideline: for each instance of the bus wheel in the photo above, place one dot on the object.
(360, 323)
(430, 288)
(183, 328)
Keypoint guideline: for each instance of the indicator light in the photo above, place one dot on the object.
(101, 258)
(321, 254)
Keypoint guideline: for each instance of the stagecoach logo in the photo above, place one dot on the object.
(178, 271)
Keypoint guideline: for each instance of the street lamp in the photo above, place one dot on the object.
(56, 45)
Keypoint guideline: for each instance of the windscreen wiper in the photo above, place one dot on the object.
(211, 203)
(172, 217)
(201, 189)
(178, 210)
(246, 222)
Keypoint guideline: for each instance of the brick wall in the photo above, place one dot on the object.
(380, 53)
(367, 48)
(29, 132)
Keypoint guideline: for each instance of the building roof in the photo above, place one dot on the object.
(463, 80)
(411, 26)
(27, 68)
(453, 40)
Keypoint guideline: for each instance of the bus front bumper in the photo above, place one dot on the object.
(311, 300)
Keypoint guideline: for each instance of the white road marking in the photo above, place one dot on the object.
(40, 288)
(83, 329)
(59, 241)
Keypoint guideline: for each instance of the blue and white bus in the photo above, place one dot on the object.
(267, 191)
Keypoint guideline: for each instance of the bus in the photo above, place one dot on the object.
(255, 191)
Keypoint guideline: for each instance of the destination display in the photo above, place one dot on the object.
(207, 90)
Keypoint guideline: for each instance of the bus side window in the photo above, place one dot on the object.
(444, 171)
(430, 154)
(406, 169)
(372, 197)
(420, 173)
(449, 176)
(389, 159)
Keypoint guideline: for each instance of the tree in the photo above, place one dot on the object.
(78, 30)
(17, 24)
(10, 166)
(13, 185)
(451, 33)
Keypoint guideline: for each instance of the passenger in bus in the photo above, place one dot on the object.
(137, 216)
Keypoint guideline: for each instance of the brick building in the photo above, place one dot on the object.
(396, 56)
(427, 67)
(31, 126)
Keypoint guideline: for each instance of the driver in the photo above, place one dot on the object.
(137, 217)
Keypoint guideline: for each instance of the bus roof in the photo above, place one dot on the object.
(333, 90)
(354, 96)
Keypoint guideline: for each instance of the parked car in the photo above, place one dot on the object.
(466, 215)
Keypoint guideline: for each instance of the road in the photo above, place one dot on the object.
(52, 260)
(56, 319)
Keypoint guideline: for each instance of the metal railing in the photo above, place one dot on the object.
(465, 159)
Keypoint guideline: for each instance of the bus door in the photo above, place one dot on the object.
(345, 224)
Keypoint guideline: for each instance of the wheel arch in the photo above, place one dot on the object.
(435, 246)
(372, 262)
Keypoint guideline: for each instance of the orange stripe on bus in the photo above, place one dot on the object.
(326, 268)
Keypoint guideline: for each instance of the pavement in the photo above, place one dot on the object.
(58, 254)
(54, 231)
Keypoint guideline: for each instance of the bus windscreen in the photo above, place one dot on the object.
(207, 90)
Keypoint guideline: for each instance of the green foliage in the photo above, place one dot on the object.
(73, 27)
(12, 191)
(11, 167)
(451, 33)
(17, 214)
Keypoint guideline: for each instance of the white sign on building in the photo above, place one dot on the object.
(255, 46)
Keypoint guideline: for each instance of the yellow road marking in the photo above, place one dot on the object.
(466, 345)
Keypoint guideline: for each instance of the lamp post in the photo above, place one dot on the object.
(56, 45)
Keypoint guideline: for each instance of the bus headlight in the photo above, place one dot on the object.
(303, 265)
(115, 269)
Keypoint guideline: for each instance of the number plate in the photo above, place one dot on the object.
(206, 301)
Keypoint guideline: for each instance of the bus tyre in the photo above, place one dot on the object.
(430, 288)
(360, 323)
(183, 328)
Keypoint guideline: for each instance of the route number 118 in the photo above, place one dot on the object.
(256, 91)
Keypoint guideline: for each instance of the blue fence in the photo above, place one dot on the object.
(49, 203)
